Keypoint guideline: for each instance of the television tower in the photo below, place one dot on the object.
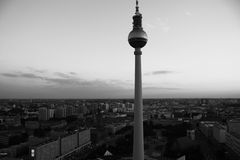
(137, 38)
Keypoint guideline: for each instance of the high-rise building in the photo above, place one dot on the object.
(60, 112)
(129, 107)
(107, 106)
(51, 112)
(137, 38)
(70, 110)
(43, 114)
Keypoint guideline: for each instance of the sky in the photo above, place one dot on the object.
(79, 49)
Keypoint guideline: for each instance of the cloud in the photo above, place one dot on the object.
(187, 13)
(72, 73)
(159, 23)
(30, 76)
(165, 28)
(125, 84)
(150, 26)
(66, 80)
(63, 81)
(37, 70)
(59, 84)
(161, 88)
(21, 75)
(63, 75)
(163, 24)
(59, 79)
(11, 75)
(160, 72)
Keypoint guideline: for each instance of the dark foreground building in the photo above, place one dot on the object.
(61, 147)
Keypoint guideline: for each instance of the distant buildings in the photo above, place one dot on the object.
(206, 128)
(129, 107)
(51, 113)
(43, 114)
(113, 128)
(53, 124)
(108, 116)
(70, 110)
(191, 134)
(11, 138)
(32, 125)
(5, 139)
(219, 132)
(61, 112)
(234, 126)
(13, 121)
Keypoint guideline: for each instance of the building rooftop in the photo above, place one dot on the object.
(237, 135)
(220, 126)
(237, 120)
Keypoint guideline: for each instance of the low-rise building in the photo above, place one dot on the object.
(13, 121)
(11, 138)
(191, 134)
(31, 124)
(234, 126)
(113, 128)
(53, 124)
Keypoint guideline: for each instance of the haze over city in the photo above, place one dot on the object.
(79, 49)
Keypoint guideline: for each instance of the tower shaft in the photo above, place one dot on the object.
(138, 146)
(137, 38)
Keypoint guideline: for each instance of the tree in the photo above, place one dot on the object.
(39, 132)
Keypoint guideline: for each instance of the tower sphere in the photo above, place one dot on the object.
(137, 38)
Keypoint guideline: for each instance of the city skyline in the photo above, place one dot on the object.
(79, 49)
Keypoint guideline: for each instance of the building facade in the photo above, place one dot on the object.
(43, 114)
(219, 132)
(60, 112)
(61, 147)
(233, 142)
(234, 126)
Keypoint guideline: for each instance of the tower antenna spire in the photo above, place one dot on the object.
(137, 7)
